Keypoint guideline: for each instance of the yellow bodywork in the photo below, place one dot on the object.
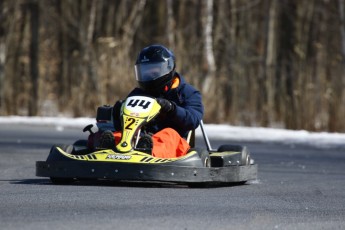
(137, 111)
(134, 156)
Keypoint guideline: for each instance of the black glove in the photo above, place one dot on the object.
(166, 105)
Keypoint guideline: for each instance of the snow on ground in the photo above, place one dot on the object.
(235, 133)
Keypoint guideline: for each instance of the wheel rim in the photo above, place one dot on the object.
(207, 162)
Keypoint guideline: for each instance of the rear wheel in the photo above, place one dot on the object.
(65, 148)
(81, 143)
(245, 155)
(80, 148)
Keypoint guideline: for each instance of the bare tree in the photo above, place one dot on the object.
(270, 62)
(170, 24)
(2, 53)
(342, 26)
(33, 7)
(13, 53)
(132, 23)
(256, 62)
(208, 49)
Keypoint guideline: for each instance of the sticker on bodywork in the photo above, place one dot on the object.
(118, 157)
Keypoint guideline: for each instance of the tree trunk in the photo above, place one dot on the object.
(132, 24)
(2, 56)
(208, 49)
(170, 24)
(342, 27)
(14, 43)
(34, 74)
(286, 57)
(270, 63)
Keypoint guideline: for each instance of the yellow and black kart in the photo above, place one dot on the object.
(69, 163)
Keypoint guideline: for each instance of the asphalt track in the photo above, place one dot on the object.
(299, 187)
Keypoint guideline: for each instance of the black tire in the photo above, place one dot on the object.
(245, 155)
(82, 143)
(80, 148)
(54, 154)
(67, 148)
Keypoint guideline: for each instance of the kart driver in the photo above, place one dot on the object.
(181, 105)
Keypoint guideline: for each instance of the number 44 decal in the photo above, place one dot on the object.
(142, 103)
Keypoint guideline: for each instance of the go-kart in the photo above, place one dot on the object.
(200, 166)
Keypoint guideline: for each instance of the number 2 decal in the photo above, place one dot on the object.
(130, 122)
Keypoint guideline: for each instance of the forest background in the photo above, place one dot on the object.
(270, 63)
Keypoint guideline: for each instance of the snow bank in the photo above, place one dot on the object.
(214, 131)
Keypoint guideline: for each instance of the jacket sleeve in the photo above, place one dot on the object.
(188, 114)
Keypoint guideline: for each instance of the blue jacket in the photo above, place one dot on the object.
(188, 113)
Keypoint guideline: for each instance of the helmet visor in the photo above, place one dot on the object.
(151, 71)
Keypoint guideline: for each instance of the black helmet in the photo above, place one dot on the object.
(154, 69)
